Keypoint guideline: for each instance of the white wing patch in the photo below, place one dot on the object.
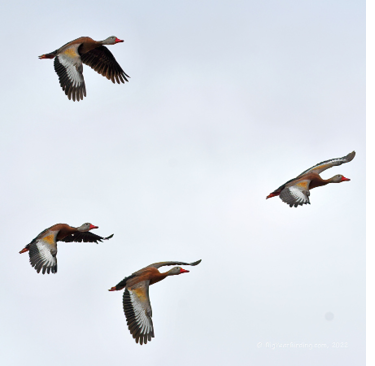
(45, 254)
(141, 317)
(72, 69)
(299, 196)
(138, 313)
(295, 196)
(43, 257)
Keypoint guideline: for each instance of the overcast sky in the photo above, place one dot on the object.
(227, 101)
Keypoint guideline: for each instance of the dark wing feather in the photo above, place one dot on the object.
(161, 264)
(42, 256)
(86, 237)
(122, 283)
(137, 309)
(320, 167)
(102, 61)
(70, 77)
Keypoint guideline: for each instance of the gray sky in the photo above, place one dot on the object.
(227, 100)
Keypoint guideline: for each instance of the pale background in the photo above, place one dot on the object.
(227, 100)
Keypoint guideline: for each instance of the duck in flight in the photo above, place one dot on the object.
(43, 249)
(136, 301)
(296, 191)
(69, 59)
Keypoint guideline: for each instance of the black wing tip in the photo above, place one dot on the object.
(196, 262)
(143, 338)
(40, 268)
(297, 204)
(350, 156)
(100, 240)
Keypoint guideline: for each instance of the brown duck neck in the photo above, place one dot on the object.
(64, 231)
(317, 181)
(159, 277)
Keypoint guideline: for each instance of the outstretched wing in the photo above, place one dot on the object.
(297, 194)
(85, 237)
(161, 264)
(103, 62)
(68, 66)
(138, 312)
(42, 253)
(318, 168)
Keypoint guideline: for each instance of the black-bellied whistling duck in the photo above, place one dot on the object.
(43, 249)
(136, 300)
(68, 64)
(296, 191)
